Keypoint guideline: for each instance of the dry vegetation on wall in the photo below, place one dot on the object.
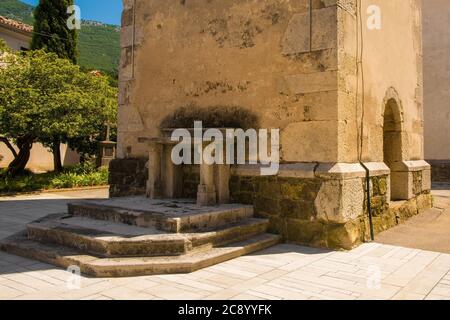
(212, 117)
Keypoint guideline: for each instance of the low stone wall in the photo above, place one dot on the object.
(440, 170)
(292, 205)
(128, 177)
(325, 209)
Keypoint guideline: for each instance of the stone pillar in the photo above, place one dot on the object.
(410, 179)
(206, 195)
(222, 183)
(171, 175)
(154, 184)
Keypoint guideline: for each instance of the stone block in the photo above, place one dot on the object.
(426, 180)
(402, 185)
(297, 209)
(324, 31)
(340, 201)
(297, 38)
(344, 236)
(312, 233)
(312, 82)
(424, 202)
(312, 141)
(267, 206)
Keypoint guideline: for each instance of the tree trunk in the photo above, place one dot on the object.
(9, 146)
(56, 148)
(18, 165)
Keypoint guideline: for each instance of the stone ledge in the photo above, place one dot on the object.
(410, 166)
(313, 170)
(297, 170)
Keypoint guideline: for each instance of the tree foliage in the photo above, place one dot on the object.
(3, 47)
(43, 97)
(51, 32)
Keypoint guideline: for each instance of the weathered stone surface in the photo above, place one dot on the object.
(344, 236)
(135, 236)
(311, 233)
(324, 31)
(297, 38)
(167, 215)
(132, 267)
(440, 170)
(340, 201)
(312, 82)
(127, 177)
(120, 240)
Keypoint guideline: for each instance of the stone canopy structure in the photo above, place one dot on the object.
(346, 97)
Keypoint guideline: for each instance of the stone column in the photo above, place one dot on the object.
(222, 183)
(171, 175)
(154, 184)
(206, 195)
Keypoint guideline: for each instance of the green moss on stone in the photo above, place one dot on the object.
(344, 236)
(311, 233)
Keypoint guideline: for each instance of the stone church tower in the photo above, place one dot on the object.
(341, 80)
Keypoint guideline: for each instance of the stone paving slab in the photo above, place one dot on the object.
(427, 231)
(371, 271)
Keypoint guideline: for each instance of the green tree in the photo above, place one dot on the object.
(43, 97)
(51, 32)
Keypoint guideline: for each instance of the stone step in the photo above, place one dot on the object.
(138, 266)
(110, 239)
(166, 215)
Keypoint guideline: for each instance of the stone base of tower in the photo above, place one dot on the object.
(315, 204)
(325, 205)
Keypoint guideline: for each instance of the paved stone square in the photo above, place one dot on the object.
(372, 271)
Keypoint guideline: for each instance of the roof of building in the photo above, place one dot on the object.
(20, 26)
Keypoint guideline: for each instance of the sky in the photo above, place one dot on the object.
(106, 11)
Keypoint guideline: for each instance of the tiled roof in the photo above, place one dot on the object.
(15, 24)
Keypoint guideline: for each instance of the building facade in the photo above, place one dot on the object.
(341, 79)
(436, 42)
(17, 35)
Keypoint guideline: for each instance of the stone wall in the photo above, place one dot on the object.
(191, 180)
(128, 177)
(276, 59)
(325, 211)
(440, 170)
(436, 45)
